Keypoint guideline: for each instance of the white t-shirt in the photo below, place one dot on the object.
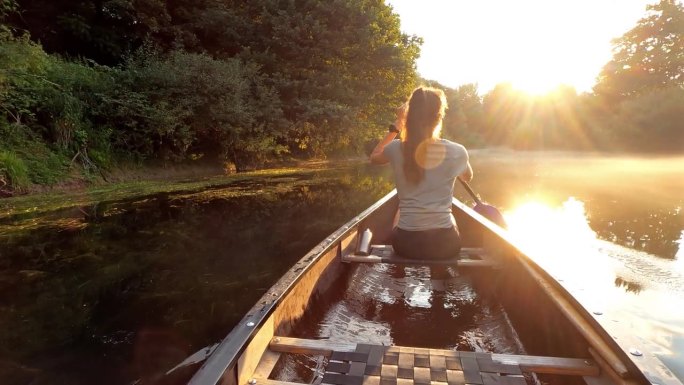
(427, 205)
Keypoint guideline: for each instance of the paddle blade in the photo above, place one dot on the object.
(491, 213)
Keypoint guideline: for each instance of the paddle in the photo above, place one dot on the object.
(487, 211)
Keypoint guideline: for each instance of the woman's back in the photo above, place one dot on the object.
(427, 204)
(425, 168)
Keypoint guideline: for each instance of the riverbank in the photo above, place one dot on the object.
(127, 183)
(136, 182)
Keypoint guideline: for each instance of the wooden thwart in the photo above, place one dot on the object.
(385, 254)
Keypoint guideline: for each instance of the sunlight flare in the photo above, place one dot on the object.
(559, 238)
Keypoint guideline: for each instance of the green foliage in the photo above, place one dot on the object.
(23, 66)
(179, 104)
(650, 56)
(339, 67)
(464, 119)
(102, 30)
(651, 121)
(47, 103)
(13, 170)
(227, 80)
(44, 166)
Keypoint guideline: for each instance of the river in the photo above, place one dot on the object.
(104, 292)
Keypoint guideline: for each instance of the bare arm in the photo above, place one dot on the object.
(377, 156)
(467, 175)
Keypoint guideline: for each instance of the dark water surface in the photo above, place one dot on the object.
(106, 294)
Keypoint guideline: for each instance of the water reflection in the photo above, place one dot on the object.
(636, 296)
(110, 293)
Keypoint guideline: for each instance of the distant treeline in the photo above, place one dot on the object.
(85, 84)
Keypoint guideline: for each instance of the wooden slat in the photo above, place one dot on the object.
(265, 367)
(465, 251)
(375, 357)
(391, 358)
(537, 364)
(421, 376)
(437, 362)
(342, 379)
(406, 364)
(275, 382)
(304, 346)
(550, 365)
(371, 380)
(609, 371)
(337, 367)
(455, 377)
(471, 371)
(449, 262)
(486, 364)
(389, 372)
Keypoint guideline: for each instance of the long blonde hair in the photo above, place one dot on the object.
(423, 122)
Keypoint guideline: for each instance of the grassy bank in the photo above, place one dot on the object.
(130, 184)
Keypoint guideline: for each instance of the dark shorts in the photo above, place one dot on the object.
(427, 244)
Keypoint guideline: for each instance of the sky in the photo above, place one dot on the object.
(533, 44)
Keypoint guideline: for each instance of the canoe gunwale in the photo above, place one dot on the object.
(227, 353)
(547, 285)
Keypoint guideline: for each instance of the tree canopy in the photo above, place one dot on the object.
(649, 56)
(234, 81)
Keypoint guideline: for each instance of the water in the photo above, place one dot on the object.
(114, 292)
(611, 230)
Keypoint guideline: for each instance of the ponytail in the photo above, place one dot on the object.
(424, 117)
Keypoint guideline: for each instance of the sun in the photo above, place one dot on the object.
(538, 63)
(533, 45)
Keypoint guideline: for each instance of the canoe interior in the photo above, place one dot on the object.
(312, 302)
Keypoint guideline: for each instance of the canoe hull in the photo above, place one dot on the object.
(549, 319)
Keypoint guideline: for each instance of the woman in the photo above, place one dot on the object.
(425, 169)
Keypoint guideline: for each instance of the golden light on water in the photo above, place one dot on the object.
(679, 257)
(539, 227)
(558, 238)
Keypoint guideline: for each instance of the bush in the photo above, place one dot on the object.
(45, 166)
(48, 104)
(13, 170)
(172, 106)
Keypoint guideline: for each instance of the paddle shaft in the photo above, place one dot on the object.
(470, 191)
(487, 211)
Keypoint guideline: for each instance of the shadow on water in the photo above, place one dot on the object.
(117, 290)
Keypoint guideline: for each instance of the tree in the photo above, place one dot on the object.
(102, 30)
(650, 56)
(341, 67)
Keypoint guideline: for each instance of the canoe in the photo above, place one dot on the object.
(560, 342)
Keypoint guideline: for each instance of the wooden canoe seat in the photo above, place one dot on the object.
(469, 257)
(363, 364)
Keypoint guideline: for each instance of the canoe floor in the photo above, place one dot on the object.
(365, 364)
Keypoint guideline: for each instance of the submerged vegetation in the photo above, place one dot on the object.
(86, 85)
(29, 206)
(134, 287)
